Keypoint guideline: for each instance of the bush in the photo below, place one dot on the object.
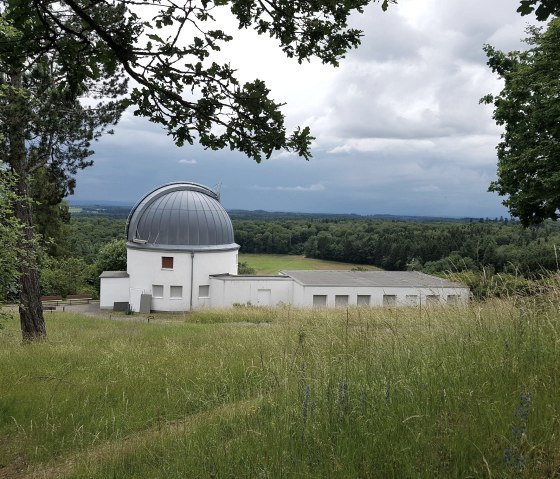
(502, 285)
(244, 268)
(68, 276)
(112, 256)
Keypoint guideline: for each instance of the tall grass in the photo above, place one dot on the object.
(249, 392)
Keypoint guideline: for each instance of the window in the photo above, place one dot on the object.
(157, 290)
(389, 300)
(204, 291)
(452, 298)
(167, 262)
(432, 299)
(176, 292)
(364, 300)
(341, 300)
(411, 299)
(319, 300)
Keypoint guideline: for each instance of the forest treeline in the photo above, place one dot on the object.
(497, 255)
(499, 246)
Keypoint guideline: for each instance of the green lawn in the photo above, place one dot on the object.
(273, 263)
(253, 392)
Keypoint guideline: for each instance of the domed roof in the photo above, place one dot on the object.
(180, 216)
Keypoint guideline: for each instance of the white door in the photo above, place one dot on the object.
(135, 295)
(263, 297)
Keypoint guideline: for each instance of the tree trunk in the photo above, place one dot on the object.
(30, 308)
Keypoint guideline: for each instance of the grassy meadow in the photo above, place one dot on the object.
(273, 263)
(267, 393)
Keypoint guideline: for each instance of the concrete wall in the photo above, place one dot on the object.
(258, 291)
(113, 290)
(145, 270)
(264, 291)
(303, 295)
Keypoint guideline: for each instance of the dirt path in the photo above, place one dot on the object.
(127, 445)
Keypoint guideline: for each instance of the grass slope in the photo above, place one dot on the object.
(273, 263)
(252, 392)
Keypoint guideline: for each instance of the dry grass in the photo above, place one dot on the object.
(252, 392)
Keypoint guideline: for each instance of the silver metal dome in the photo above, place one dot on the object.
(180, 216)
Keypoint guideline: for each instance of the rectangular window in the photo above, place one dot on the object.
(319, 300)
(389, 300)
(432, 299)
(364, 300)
(412, 299)
(176, 292)
(157, 290)
(453, 298)
(341, 300)
(167, 262)
(204, 291)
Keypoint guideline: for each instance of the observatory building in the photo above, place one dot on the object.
(181, 255)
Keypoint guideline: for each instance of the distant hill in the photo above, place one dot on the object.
(106, 211)
(121, 210)
(285, 215)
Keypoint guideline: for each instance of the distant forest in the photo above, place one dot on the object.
(394, 243)
(494, 257)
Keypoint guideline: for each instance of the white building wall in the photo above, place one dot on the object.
(113, 290)
(206, 264)
(265, 291)
(303, 296)
(145, 271)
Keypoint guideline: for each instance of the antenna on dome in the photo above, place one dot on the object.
(218, 189)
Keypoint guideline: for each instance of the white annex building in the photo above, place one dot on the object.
(181, 255)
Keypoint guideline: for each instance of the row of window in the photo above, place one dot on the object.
(176, 292)
(388, 299)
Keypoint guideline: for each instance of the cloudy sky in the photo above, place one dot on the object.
(398, 126)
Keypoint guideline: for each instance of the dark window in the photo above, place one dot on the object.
(453, 298)
(167, 262)
(319, 300)
(412, 299)
(341, 300)
(389, 300)
(432, 299)
(176, 292)
(364, 299)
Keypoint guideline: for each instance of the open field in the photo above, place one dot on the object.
(252, 392)
(273, 263)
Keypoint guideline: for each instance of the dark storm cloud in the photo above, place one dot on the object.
(398, 125)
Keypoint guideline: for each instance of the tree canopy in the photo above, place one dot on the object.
(528, 107)
(10, 235)
(543, 9)
(50, 112)
(166, 48)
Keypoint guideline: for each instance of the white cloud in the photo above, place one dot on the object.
(370, 145)
(310, 188)
(398, 126)
(427, 189)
